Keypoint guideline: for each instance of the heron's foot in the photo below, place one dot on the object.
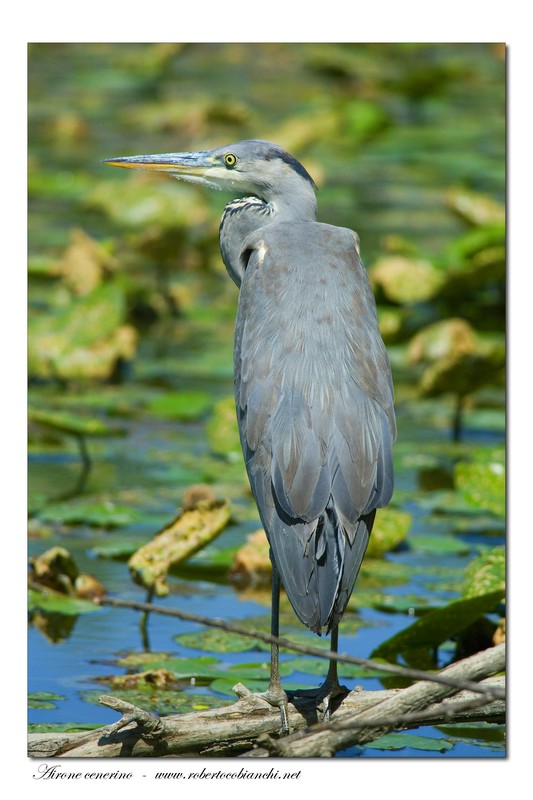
(325, 697)
(274, 696)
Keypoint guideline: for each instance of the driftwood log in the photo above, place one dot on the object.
(250, 727)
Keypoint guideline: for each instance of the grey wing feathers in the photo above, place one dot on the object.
(315, 409)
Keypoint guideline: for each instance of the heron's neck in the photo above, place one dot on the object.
(245, 215)
(294, 203)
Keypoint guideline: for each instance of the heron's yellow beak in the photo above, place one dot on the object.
(181, 165)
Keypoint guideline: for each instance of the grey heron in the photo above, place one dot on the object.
(313, 385)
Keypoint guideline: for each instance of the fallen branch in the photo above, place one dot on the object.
(238, 728)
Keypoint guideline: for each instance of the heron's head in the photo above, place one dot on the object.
(252, 167)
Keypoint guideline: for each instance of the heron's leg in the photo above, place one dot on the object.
(331, 685)
(330, 688)
(275, 694)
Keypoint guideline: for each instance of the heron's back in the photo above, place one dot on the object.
(315, 408)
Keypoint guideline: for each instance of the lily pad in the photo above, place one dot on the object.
(216, 641)
(390, 529)
(482, 731)
(142, 202)
(399, 741)
(73, 424)
(406, 280)
(463, 375)
(485, 574)
(319, 666)
(254, 676)
(97, 514)
(55, 603)
(482, 485)
(62, 727)
(180, 405)
(475, 208)
(85, 263)
(222, 431)
(202, 666)
(161, 701)
(439, 544)
(201, 669)
(44, 700)
(86, 339)
(117, 547)
(438, 625)
(225, 685)
(449, 337)
(390, 603)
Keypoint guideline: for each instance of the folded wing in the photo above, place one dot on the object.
(315, 408)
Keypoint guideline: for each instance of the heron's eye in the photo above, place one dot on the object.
(230, 160)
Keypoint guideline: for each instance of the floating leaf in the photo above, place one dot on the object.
(116, 547)
(54, 603)
(485, 574)
(222, 431)
(74, 424)
(254, 676)
(62, 727)
(179, 540)
(156, 660)
(456, 360)
(382, 572)
(481, 731)
(437, 625)
(363, 119)
(86, 339)
(84, 263)
(439, 544)
(225, 685)
(202, 668)
(475, 208)
(97, 514)
(462, 249)
(319, 667)
(482, 485)
(43, 699)
(216, 641)
(391, 603)
(180, 405)
(141, 203)
(390, 529)
(406, 280)
(161, 701)
(399, 741)
(450, 337)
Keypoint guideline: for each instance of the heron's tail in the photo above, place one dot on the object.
(319, 563)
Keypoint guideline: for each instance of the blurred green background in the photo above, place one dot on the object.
(131, 312)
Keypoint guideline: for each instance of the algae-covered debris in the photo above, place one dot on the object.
(191, 530)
